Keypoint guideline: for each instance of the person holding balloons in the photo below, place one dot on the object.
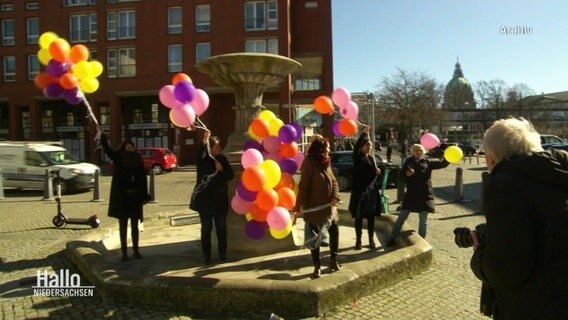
(210, 197)
(419, 195)
(317, 198)
(364, 201)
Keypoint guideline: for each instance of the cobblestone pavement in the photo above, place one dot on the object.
(29, 242)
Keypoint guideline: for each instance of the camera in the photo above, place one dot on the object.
(463, 237)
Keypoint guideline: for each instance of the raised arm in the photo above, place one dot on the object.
(107, 149)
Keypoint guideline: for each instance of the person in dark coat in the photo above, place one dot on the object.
(365, 201)
(419, 196)
(523, 254)
(128, 191)
(317, 199)
(210, 197)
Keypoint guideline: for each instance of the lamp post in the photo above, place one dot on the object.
(371, 96)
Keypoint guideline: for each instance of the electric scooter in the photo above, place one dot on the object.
(61, 220)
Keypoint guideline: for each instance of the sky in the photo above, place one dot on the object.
(372, 38)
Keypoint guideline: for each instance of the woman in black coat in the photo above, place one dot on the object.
(365, 200)
(128, 191)
(419, 195)
(210, 196)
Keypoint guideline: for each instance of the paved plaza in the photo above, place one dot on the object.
(29, 242)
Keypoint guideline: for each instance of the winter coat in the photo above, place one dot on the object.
(524, 253)
(363, 175)
(317, 188)
(419, 195)
(211, 193)
(129, 186)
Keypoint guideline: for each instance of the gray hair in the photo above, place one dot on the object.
(512, 136)
(418, 146)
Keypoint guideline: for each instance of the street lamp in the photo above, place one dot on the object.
(371, 96)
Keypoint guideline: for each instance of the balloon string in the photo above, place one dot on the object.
(91, 115)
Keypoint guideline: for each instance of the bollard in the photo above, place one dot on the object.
(152, 186)
(48, 186)
(97, 186)
(1, 185)
(477, 156)
(400, 186)
(484, 181)
(458, 188)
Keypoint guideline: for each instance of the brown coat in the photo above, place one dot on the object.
(317, 187)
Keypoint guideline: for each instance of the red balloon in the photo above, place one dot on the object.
(180, 77)
(267, 199)
(68, 81)
(42, 80)
(59, 50)
(323, 105)
(79, 53)
(286, 198)
(288, 150)
(347, 127)
(253, 178)
(286, 181)
(260, 128)
(257, 213)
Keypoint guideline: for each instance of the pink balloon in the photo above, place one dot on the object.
(184, 116)
(351, 111)
(272, 156)
(340, 96)
(278, 218)
(240, 206)
(271, 144)
(429, 140)
(251, 157)
(200, 102)
(167, 97)
(299, 157)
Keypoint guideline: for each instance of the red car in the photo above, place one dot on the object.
(156, 159)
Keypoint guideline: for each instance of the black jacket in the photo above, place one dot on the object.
(363, 175)
(211, 194)
(524, 256)
(419, 195)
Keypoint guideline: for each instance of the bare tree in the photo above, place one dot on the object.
(491, 94)
(523, 90)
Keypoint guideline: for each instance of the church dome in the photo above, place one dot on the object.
(459, 93)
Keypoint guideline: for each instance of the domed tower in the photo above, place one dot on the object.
(459, 94)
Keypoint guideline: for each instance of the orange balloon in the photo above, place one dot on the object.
(347, 127)
(59, 49)
(286, 181)
(253, 178)
(180, 77)
(267, 199)
(44, 79)
(257, 213)
(288, 150)
(323, 105)
(286, 198)
(68, 81)
(260, 128)
(79, 53)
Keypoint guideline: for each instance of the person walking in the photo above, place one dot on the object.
(210, 197)
(364, 202)
(419, 196)
(317, 199)
(128, 192)
(521, 257)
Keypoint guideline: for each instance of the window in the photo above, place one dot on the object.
(203, 18)
(307, 82)
(32, 6)
(309, 77)
(121, 25)
(9, 69)
(174, 58)
(83, 27)
(8, 33)
(33, 30)
(121, 62)
(72, 3)
(33, 66)
(7, 7)
(262, 46)
(261, 15)
(174, 20)
(202, 51)
(47, 121)
(105, 115)
(26, 122)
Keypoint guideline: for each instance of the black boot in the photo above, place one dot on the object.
(358, 232)
(372, 244)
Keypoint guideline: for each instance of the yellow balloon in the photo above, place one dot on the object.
(267, 115)
(296, 189)
(453, 154)
(89, 85)
(43, 56)
(272, 172)
(82, 70)
(274, 125)
(248, 216)
(252, 135)
(46, 39)
(281, 234)
(96, 68)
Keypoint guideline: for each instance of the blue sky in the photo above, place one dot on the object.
(371, 38)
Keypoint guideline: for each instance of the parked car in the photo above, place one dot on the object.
(550, 139)
(468, 149)
(159, 160)
(342, 164)
(557, 146)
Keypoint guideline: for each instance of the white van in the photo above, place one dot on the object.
(23, 165)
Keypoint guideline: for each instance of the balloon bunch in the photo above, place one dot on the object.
(348, 109)
(453, 154)
(186, 102)
(68, 73)
(265, 192)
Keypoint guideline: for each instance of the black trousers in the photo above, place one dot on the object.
(207, 221)
(333, 243)
(123, 227)
(370, 226)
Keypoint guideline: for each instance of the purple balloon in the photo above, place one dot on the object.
(73, 96)
(245, 193)
(54, 90)
(184, 91)
(56, 68)
(336, 129)
(256, 230)
(298, 128)
(287, 133)
(253, 144)
(289, 165)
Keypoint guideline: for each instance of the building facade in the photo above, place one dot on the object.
(142, 44)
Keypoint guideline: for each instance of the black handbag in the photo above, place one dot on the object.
(368, 200)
